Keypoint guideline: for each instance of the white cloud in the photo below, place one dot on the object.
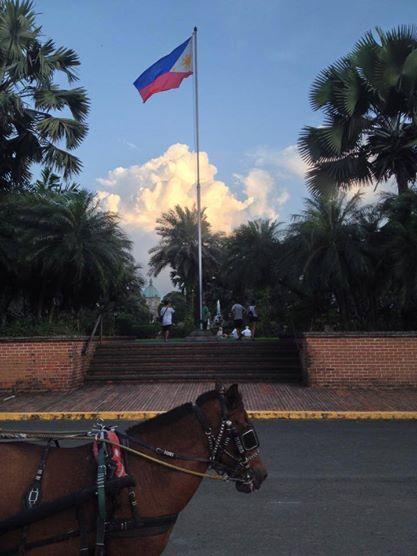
(141, 193)
(371, 194)
(286, 161)
(129, 144)
(111, 201)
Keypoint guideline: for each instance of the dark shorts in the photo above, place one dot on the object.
(166, 326)
(238, 323)
(252, 318)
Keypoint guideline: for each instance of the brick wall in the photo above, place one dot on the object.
(360, 360)
(39, 364)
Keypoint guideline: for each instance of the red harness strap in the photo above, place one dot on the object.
(116, 452)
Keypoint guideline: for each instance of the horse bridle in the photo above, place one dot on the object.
(246, 444)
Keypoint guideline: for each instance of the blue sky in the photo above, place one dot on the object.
(257, 60)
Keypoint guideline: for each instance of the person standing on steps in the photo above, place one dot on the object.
(253, 318)
(206, 316)
(237, 312)
(166, 318)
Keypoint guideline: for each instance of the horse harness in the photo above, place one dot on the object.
(109, 483)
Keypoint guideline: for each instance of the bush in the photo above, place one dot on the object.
(182, 329)
(28, 326)
(145, 331)
(124, 325)
(268, 329)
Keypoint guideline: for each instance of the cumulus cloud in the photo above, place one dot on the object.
(141, 193)
(372, 193)
(286, 164)
(286, 161)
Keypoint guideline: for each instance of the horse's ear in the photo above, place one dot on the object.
(233, 396)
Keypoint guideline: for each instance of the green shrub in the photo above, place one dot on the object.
(28, 326)
(125, 324)
(145, 331)
(182, 329)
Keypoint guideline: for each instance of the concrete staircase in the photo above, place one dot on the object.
(245, 361)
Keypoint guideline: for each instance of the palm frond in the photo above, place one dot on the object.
(61, 160)
(55, 129)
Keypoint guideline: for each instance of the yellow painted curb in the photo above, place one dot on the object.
(268, 414)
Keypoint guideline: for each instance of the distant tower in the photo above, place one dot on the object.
(152, 299)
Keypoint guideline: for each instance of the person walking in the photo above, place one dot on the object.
(253, 317)
(166, 318)
(237, 312)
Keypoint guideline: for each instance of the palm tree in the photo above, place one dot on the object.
(399, 238)
(251, 251)
(369, 99)
(178, 248)
(327, 251)
(74, 250)
(9, 253)
(52, 182)
(30, 129)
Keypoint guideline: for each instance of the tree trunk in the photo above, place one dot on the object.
(402, 184)
(341, 302)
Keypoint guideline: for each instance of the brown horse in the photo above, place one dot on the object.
(159, 490)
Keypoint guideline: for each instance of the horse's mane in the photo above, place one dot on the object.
(174, 414)
(163, 419)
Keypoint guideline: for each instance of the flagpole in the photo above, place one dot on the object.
(197, 148)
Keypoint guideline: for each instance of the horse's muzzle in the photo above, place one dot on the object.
(259, 475)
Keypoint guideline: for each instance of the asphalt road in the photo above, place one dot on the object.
(334, 488)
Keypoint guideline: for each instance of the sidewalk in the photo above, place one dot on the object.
(262, 400)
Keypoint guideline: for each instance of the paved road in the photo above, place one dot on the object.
(334, 488)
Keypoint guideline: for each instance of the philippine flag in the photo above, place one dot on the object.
(167, 73)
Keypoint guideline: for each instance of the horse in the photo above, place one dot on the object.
(215, 432)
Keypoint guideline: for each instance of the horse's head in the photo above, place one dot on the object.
(235, 446)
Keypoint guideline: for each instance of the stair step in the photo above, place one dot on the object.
(191, 378)
(193, 361)
(216, 354)
(193, 370)
(202, 356)
(195, 348)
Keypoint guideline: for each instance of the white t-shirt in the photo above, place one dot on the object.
(252, 309)
(166, 314)
(247, 333)
(235, 334)
(237, 311)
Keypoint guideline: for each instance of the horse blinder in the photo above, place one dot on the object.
(249, 440)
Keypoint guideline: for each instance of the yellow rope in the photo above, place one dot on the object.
(135, 452)
(164, 463)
